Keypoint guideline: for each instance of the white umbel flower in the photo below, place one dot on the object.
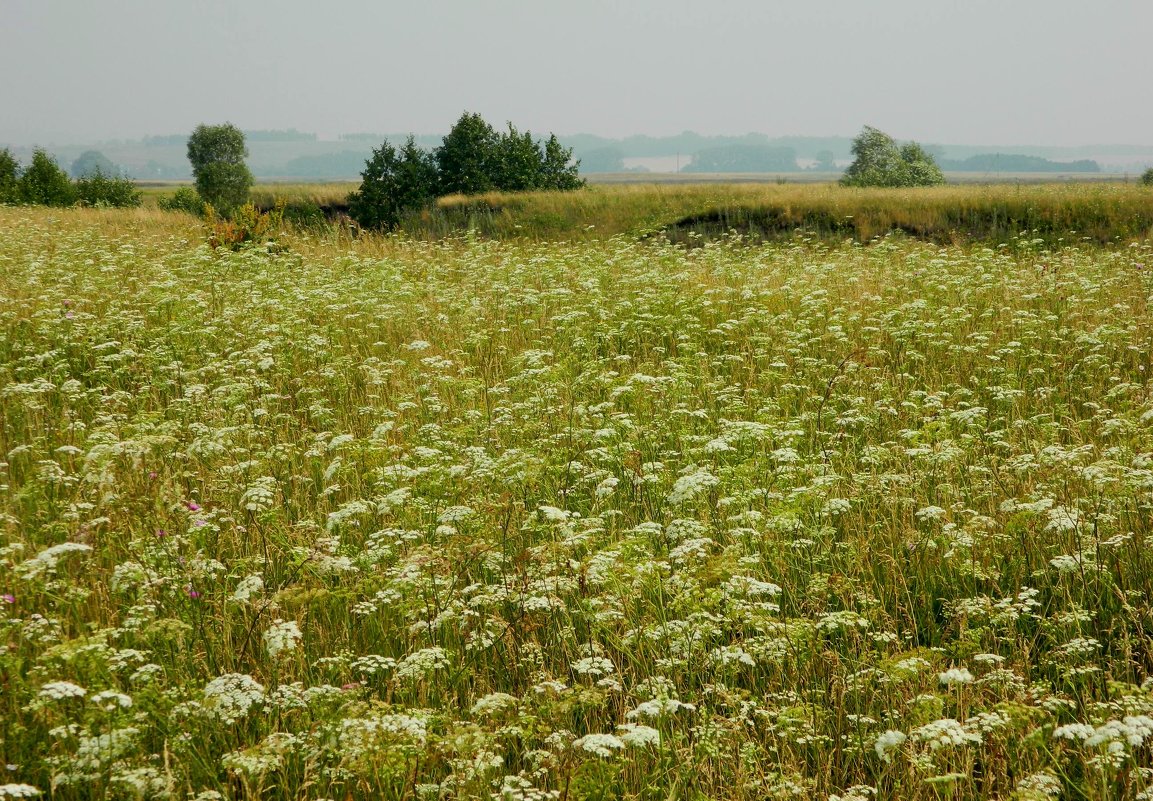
(282, 637)
(888, 742)
(59, 690)
(955, 676)
(602, 745)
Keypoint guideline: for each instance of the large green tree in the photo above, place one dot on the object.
(878, 161)
(392, 185)
(467, 161)
(217, 154)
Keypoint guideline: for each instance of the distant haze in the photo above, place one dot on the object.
(1044, 72)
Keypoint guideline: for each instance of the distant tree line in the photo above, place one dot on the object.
(43, 183)
(1006, 162)
(259, 135)
(473, 158)
(744, 158)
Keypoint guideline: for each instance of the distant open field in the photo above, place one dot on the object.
(473, 518)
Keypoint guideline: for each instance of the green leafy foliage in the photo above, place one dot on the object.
(559, 171)
(9, 177)
(392, 185)
(1147, 177)
(467, 160)
(217, 154)
(99, 189)
(878, 161)
(44, 183)
(248, 226)
(183, 199)
(517, 163)
(473, 158)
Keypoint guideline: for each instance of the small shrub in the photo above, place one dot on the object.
(1147, 177)
(184, 199)
(247, 226)
(101, 190)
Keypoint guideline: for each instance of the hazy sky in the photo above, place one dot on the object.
(1046, 72)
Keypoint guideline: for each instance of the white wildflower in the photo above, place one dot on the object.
(1038, 786)
(692, 486)
(1073, 731)
(593, 666)
(47, 560)
(836, 506)
(421, 663)
(1062, 518)
(247, 587)
(282, 637)
(110, 700)
(231, 696)
(602, 745)
(59, 690)
(638, 735)
(945, 733)
(455, 514)
(657, 707)
(889, 741)
(931, 513)
(493, 703)
(955, 676)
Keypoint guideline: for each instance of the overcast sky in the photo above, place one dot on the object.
(1045, 72)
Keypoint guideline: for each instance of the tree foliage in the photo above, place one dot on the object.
(467, 161)
(183, 199)
(878, 161)
(393, 184)
(43, 183)
(9, 177)
(217, 154)
(98, 189)
(91, 161)
(559, 170)
(473, 158)
(1147, 177)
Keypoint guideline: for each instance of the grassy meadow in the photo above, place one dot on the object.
(534, 520)
(690, 213)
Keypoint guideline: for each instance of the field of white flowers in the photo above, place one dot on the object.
(589, 521)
